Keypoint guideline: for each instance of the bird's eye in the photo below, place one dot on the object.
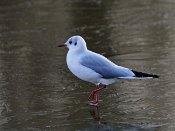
(75, 43)
(70, 42)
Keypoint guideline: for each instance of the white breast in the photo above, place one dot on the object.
(80, 71)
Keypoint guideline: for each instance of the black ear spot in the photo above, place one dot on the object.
(75, 43)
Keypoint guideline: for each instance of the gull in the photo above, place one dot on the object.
(95, 68)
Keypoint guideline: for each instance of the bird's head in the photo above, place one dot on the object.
(75, 43)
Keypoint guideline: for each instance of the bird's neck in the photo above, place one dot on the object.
(78, 51)
(73, 55)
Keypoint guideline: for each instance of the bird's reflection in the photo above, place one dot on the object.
(95, 114)
(102, 125)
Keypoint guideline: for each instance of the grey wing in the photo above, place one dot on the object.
(104, 67)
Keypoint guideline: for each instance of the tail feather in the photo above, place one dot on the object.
(141, 74)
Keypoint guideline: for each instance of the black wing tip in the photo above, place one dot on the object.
(155, 76)
(141, 74)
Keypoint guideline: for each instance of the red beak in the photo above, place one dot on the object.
(62, 45)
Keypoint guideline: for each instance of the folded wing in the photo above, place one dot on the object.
(104, 67)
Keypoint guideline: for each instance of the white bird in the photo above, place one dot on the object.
(95, 68)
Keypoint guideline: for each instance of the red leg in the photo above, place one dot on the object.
(94, 95)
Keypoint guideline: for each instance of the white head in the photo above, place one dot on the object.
(75, 43)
